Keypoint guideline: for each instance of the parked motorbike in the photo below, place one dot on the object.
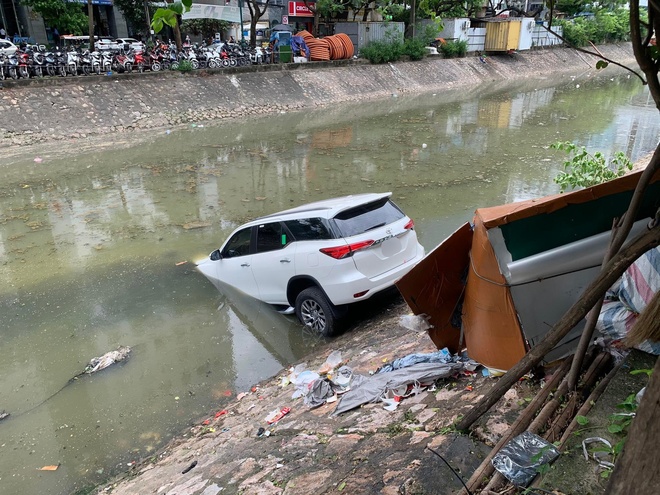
(86, 63)
(123, 61)
(140, 61)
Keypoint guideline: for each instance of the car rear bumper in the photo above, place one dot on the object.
(343, 290)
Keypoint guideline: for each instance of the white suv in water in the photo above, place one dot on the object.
(319, 257)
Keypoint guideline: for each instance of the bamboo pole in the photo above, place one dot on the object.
(590, 376)
(588, 404)
(485, 469)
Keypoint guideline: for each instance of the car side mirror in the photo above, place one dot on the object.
(215, 255)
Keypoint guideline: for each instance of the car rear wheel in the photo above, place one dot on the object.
(315, 311)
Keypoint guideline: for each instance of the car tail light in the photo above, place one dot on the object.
(410, 225)
(341, 252)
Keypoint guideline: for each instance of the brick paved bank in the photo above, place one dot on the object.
(64, 108)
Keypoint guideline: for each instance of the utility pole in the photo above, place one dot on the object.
(90, 14)
(148, 17)
(240, 13)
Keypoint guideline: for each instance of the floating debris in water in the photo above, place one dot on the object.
(109, 358)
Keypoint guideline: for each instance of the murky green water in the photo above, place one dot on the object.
(92, 244)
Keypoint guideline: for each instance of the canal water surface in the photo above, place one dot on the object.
(97, 250)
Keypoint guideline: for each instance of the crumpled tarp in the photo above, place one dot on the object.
(298, 44)
(628, 297)
(375, 386)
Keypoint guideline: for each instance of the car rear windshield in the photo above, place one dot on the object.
(367, 217)
(308, 229)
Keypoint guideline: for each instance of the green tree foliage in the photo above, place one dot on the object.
(605, 27)
(67, 17)
(571, 7)
(451, 8)
(170, 16)
(584, 169)
(133, 11)
(205, 28)
(330, 9)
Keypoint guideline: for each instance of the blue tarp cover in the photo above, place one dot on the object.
(298, 44)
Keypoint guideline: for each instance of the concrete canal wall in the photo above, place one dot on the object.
(66, 108)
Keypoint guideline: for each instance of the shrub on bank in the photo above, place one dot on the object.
(415, 48)
(382, 52)
(603, 27)
(454, 48)
(185, 66)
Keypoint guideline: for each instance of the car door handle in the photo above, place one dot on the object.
(245, 264)
(285, 260)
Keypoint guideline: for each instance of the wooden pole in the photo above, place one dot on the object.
(485, 469)
(590, 376)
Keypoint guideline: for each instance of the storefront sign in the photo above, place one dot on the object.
(299, 9)
(220, 12)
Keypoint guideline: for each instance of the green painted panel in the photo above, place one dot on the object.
(536, 234)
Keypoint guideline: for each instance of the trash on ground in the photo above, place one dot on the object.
(189, 468)
(220, 413)
(441, 356)
(520, 459)
(390, 404)
(333, 360)
(241, 395)
(416, 323)
(3, 415)
(343, 376)
(53, 467)
(38, 159)
(109, 358)
(373, 388)
(303, 383)
(599, 456)
(276, 414)
(181, 263)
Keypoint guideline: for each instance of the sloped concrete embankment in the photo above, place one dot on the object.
(56, 109)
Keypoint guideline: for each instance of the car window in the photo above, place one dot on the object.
(271, 237)
(308, 229)
(239, 244)
(367, 217)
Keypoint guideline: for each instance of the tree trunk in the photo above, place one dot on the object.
(90, 15)
(253, 30)
(147, 15)
(613, 270)
(637, 470)
(315, 29)
(177, 35)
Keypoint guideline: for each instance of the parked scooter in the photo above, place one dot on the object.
(124, 62)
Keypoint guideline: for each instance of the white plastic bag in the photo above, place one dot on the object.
(416, 323)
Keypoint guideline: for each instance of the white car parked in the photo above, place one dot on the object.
(130, 43)
(106, 44)
(7, 47)
(319, 257)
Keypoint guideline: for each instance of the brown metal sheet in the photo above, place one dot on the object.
(490, 323)
(434, 287)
